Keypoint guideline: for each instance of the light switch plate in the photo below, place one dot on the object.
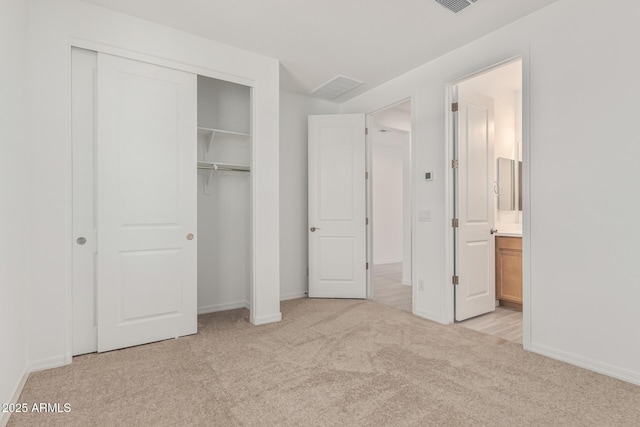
(424, 216)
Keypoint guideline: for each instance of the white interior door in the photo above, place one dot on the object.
(146, 203)
(337, 206)
(475, 245)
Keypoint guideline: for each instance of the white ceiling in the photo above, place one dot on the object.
(369, 40)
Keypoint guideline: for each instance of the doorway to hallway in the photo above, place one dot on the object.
(389, 205)
(388, 288)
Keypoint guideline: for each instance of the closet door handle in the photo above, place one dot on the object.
(493, 231)
(190, 236)
(314, 229)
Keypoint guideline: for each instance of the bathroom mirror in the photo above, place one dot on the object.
(508, 186)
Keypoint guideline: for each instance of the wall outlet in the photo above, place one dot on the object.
(420, 285)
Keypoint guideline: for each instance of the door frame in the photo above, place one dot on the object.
(450, 190)
(369, 195)
(74, 42)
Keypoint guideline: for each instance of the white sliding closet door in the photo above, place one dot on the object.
(146, 203)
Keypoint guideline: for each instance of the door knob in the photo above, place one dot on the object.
(314, 229)
(493, 231)
(190, 236)
(81, 240)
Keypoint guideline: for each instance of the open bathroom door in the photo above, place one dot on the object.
(475, 244)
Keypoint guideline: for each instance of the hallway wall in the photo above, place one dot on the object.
(388, 198)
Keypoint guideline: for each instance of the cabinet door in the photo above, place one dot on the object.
(509, 269)
(146, 203)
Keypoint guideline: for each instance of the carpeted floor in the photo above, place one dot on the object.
(329, 362)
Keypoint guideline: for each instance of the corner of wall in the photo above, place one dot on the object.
(4, 416)
(14, 187)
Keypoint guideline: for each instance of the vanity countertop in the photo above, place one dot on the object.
(508, 230)
(509, 234)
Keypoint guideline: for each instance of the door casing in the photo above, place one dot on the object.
(369, 198)
(449, 144)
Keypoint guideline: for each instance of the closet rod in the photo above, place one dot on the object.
(225, 168)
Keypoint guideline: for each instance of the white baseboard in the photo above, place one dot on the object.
(4, 416)
(51, 362)
(295, 295)
(592, 365)
(430, 316)
(222, 307)
(406, 282)
(244, 304)
(266, 319)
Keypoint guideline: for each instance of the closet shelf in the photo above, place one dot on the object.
(209, 131)
(217, 166)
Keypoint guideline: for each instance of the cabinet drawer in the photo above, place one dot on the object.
(514, 243)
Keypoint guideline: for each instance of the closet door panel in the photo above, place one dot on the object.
(148, 153)
(146, 203)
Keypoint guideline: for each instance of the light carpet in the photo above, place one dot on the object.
(328, 363)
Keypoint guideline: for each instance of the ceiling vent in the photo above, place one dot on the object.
(339, 85)
(456, 5)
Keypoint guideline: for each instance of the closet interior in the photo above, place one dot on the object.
(224, 195)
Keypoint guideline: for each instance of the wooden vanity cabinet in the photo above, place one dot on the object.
(509, 271)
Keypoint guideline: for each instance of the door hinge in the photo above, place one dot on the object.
(366, 222)
(454, 164)
(366, 131)
(367, 266)
(366, 175)
(454, 280)
(454, 107)
(454, 222)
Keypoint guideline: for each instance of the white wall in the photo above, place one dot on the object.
(294, 234)
(14, 188)
(580, 155)
(396, 117)
(54, 25)
(224, 262)
(387, 197)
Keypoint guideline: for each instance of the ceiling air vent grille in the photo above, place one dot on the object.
(456, 5)
(335, 87)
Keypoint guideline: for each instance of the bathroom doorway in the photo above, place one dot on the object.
(389, 205)
(488, 216)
